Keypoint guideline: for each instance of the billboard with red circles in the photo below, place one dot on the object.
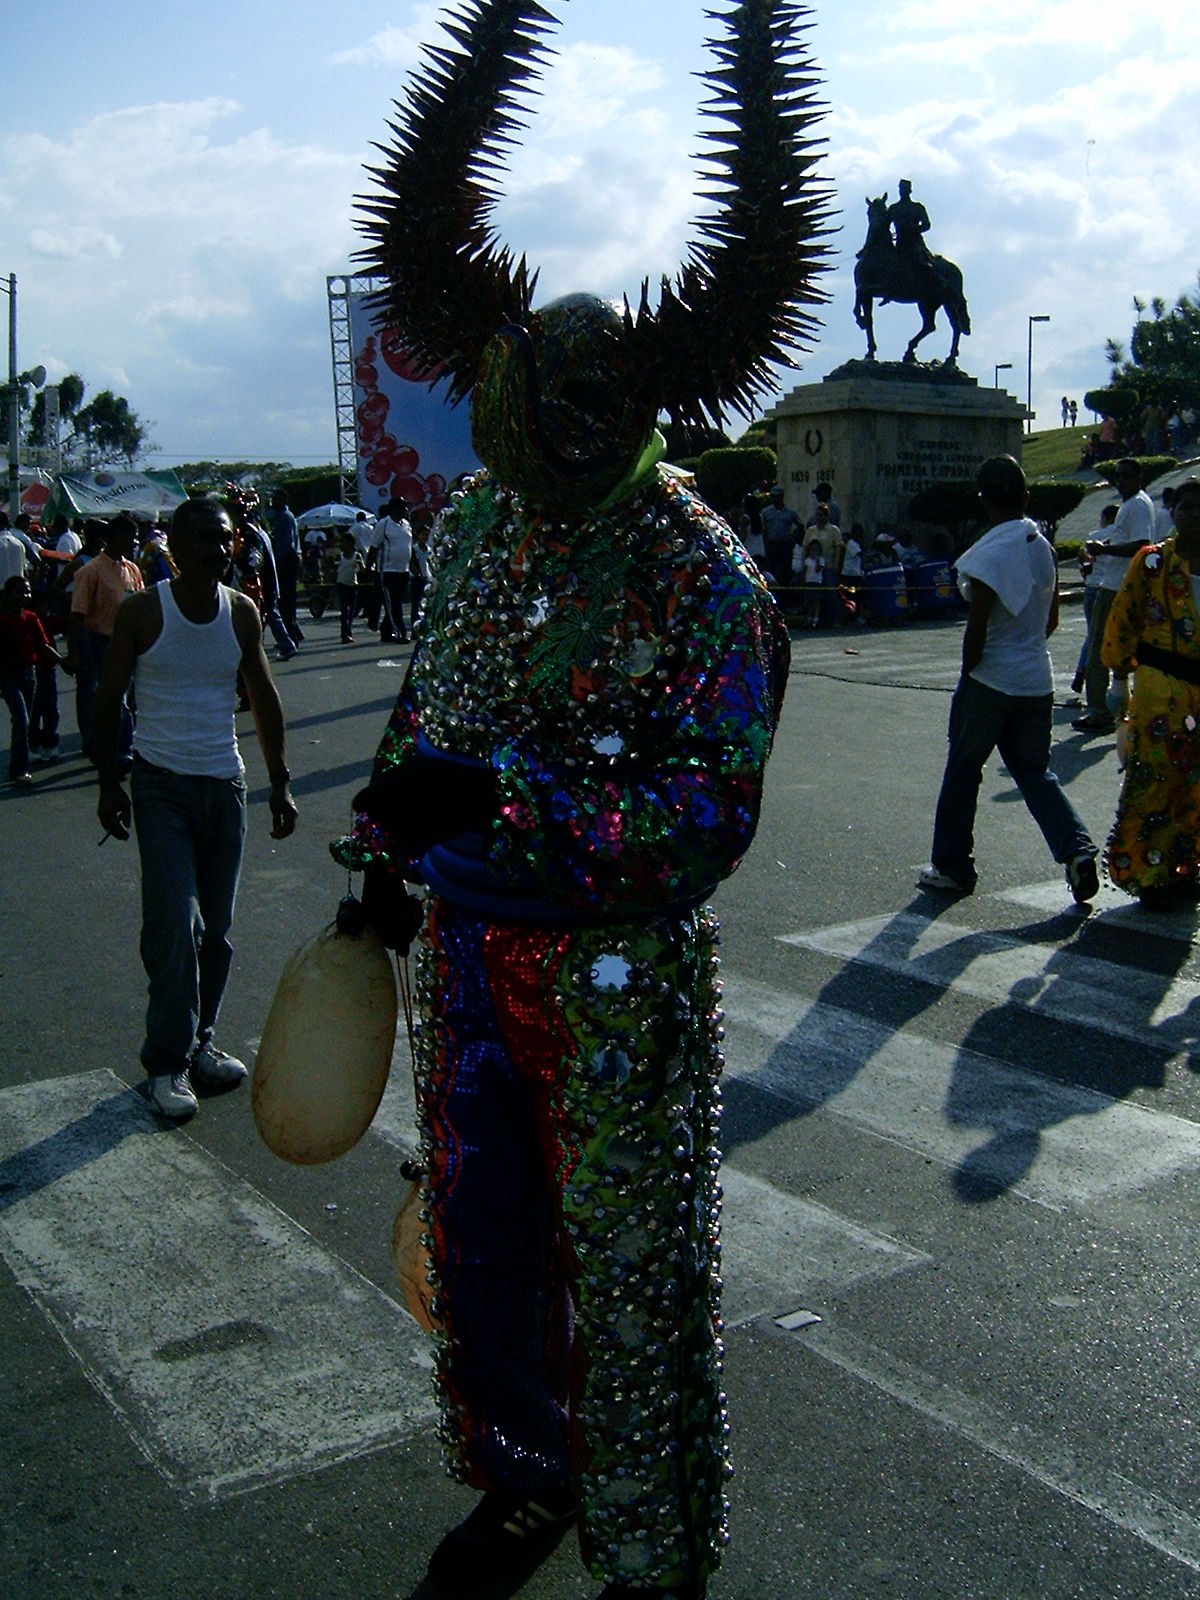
(411, 443)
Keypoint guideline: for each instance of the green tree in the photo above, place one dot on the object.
(70, 398)
(1119, 401)
(759, 433)
(1163, 358)
(109, 430)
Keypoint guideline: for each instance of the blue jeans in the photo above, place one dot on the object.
(1090, 591)
(43, 725)
(1096, 676)
(1018, 726)
(91, 650)
(190, 832)
(17, 687)
(287, 571)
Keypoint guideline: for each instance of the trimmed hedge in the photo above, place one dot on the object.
(1118, 403)
(1049, 503)
(725, 477)
(947, 505)
(1151, 467)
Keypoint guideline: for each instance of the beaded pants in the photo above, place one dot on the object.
(567, 1086)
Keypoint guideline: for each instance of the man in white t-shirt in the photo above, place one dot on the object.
(1164, 517)
(14, 558)
(1133, 528)
(1004, 699)
(391, 540)
(370, 598)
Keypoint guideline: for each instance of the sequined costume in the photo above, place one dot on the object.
(575, 762)
(623, 686)
(1155, 841)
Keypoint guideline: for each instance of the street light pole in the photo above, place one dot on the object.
(1001, 366)
(14, 407)
(1029, 377)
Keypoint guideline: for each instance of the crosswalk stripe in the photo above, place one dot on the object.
(1052, 1143)
(234, 1348)
(1112, 909)
(1120, 1501)
(1055, 981)
(775, 1250)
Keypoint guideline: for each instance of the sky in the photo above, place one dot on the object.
(177, 181)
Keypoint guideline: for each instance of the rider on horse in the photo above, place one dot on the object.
(904, 269)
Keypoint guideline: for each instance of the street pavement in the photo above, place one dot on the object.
(962, 1157)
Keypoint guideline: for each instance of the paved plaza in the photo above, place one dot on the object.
(962, 1168)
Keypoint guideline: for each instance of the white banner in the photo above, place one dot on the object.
(106, 491)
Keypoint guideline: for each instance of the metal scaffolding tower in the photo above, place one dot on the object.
(340, 289)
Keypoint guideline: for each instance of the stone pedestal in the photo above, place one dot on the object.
(880, 432)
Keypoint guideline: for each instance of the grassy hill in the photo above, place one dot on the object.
(1054, 453)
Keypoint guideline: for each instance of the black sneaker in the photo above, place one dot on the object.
(502, 1539)
(1083, 879)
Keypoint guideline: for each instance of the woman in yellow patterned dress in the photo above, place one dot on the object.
(1154, 632)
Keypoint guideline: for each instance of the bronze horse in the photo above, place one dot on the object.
(883, 274)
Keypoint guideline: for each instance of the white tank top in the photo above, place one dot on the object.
(186, 687)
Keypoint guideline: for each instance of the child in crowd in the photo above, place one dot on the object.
(23, 645)
(418, 571)
(349, 565)
(814, 576)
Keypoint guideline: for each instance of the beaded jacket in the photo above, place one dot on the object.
(621, 675)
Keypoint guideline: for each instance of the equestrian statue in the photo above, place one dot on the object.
(903, 269)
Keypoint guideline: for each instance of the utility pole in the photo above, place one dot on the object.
(14, 406)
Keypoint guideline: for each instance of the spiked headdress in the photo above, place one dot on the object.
(743, 298)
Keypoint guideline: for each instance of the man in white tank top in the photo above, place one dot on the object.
(183, 642)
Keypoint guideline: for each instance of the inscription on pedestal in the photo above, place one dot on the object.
(880, 438)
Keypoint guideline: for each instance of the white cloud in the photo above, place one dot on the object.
(205, 249)
(397, 46)
(71, 242)
(390, 47)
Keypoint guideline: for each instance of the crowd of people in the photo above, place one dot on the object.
(816, 570)
(1157, 429)
(61, 586)
(377, 569)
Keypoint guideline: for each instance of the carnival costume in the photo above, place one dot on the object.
(574, 763)
(1154, 631)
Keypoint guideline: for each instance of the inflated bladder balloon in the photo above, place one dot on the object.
(326, 1048)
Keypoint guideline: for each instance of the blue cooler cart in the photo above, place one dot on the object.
(934, 591)
(887, 593)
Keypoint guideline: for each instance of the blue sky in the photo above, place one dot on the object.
(177, 181)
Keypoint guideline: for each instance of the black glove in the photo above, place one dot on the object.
(429, 799)
(387, 905)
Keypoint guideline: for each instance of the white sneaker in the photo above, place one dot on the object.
(171, 1095)
(931, 878)
(213, 1069)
